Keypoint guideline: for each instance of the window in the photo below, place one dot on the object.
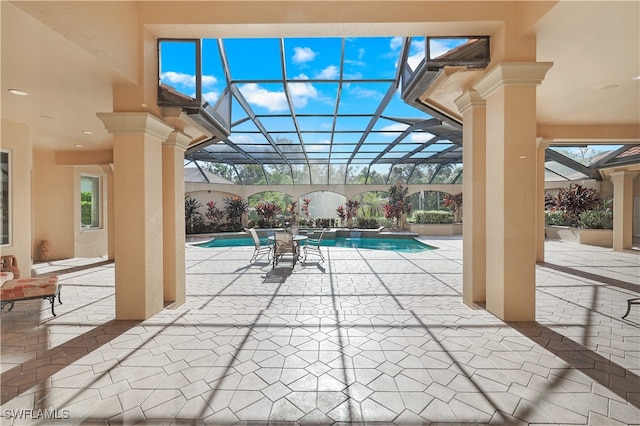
(5, 199)
(90, 201)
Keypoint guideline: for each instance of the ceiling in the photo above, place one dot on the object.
(593, 84)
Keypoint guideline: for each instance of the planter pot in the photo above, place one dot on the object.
(436, 229)
(592, 237)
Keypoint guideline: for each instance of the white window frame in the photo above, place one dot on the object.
(6, 204)
(96, 206)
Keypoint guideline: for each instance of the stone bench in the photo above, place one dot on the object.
(14, 290)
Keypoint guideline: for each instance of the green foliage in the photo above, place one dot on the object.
(367, 223)
(234, 208)
(85, 208)
(572, 202)
(398, 204)
(596, 219)
(192, 215)
(433, 216)
(556, 218)
(454, 202)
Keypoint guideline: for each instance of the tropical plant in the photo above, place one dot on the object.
(351, 211)
(342, 213)
(398, 205)
(454, 203)
(234, 208)
(292, 211)
(192, 214)
(267, 212)
(213, 213)
(305, 206)
(572, 201)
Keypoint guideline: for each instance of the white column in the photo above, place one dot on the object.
(510, 93)
(137, 154)
(173, 217)
(622, 209)
(542, 145)
(474, 251)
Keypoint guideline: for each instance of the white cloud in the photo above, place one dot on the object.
(301, 93)
(186, 80)
(393, 129)
(302, 55)
(361, 92)
(437, 48)
(331, 72)
(395, 43)
(179, 78)
(209, 80)
(421, 137)
(416, 54)
(211, 97)
(256, 95)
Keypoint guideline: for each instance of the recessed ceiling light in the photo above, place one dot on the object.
(18, 92)
(637, 77)
(50, 117)
(609, 87)
(79, 145)
(87, 132)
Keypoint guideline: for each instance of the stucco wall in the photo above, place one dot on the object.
(56, 201)
(16, 139)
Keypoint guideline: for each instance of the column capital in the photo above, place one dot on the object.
(469, 99)
(512, 74)
(135, 123)
(178, 140)
(622, 175)
(543, 143)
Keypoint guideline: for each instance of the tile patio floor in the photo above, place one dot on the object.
(367, 336)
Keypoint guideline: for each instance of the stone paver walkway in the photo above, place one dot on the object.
(367, 336)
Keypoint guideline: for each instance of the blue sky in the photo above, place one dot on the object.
(305, 59)
(312, 68)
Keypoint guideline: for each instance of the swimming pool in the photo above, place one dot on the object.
(404, 245)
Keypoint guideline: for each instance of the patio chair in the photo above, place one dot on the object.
(283, 245)
(259, 247)
(313, 247)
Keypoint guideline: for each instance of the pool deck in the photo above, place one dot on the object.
(367, 336)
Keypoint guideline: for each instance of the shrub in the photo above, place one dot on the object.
(433, 216)
(596, 219)
(573, 201)
(555, 218)
(367, 223)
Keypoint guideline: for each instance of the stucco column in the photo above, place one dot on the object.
(137, 153)
(173, 217)
(622, 209)
(108, 170)
(542, 144)
(510, 93)
(474, 250)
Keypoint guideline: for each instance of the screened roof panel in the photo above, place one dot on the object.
(338, 101)
(265, 51)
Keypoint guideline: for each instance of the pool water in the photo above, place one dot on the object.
(408, 245)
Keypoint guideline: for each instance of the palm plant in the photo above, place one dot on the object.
(191, 212)
(234, 208)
